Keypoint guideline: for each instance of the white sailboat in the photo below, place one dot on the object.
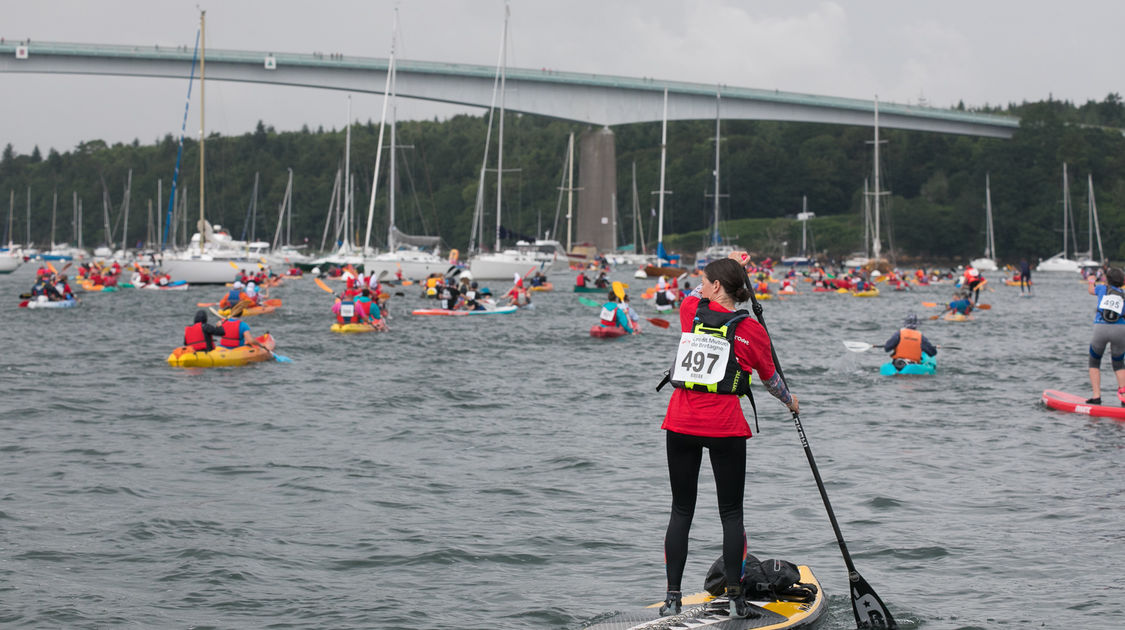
(501, 264)
(988, 262)
(665, 262)
(212, 256)
(346, 253)
(1060, 261)
(405, 254)
(802, 257)
(10, 256)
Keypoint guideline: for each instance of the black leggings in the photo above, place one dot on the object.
(728, 462)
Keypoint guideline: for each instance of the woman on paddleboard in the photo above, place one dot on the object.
(1109, 328)
(717, 352)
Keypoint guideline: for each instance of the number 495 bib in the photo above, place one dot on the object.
(1111, 302)
(701, 359)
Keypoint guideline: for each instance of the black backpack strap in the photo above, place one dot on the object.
(664, 381)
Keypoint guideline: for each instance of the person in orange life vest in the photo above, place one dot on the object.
(908, 344)
(199, 336)
(234, 296)
(581, 280)
(762, 287)
(699, 419)
(235, 331)
(973, 280)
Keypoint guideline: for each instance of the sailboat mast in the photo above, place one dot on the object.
(875, 246)
(55, 209)
(663, 161)
(348, 161)
(991, 253)
(1066, 209)
(804, 225)
(866, 221)
(500, 127)
(1090, 218)
(715, 232)
(570, 188)
(202, 122)
(1094, 221)
(379, 147)
(392, 171)
(11, 208)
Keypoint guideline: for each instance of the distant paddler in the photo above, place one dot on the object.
(199, 336)
(518, 294)
(615, 312)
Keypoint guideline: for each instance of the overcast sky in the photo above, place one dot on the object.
(944, 51)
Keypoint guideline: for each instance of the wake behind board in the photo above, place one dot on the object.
(1063, 401)
(703, 610)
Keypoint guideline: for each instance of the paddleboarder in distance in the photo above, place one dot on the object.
(908, 344)
(717, 351)
(1109, 328)
(1025, 275)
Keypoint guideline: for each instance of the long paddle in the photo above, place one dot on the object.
(863, 346)
(869, 610)
(655, 321)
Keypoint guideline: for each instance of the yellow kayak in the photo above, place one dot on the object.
(185, 356)
(763, 296)
(869, 293)
(352, 328)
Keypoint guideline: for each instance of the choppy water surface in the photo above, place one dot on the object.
(509, 471)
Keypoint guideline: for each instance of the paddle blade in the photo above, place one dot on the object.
(984, 307)
(280, 358)
(231, 263)
(659, 323)
(929, 304)
(589, 302)
(869, 610)
(857, 346)
(618, 289)
(206, 304)
(320, 283)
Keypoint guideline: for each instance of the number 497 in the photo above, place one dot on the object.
(694, 361)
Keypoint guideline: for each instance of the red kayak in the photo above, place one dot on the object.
(1063, 401)
(606, 332)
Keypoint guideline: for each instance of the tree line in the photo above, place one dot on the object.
(934, 209)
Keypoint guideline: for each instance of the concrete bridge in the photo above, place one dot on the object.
(599, 100)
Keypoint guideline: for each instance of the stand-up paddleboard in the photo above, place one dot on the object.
(1063, 401)
(926, 367)
(703, 610)
(499, 310)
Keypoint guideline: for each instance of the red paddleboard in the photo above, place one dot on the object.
(1063, 401)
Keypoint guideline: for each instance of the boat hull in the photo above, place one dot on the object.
(202, 271)
(413, 267)
(8, 264)
(501, 267)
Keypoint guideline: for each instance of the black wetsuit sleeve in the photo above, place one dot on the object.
(893, 342)
(928, 347)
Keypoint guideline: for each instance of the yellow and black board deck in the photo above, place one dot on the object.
(703, 610)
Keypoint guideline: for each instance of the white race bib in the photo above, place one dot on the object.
(1111, 302)
(701, 359)
(347, 311)
(609, 316)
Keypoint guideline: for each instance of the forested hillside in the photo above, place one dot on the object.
(935, 209)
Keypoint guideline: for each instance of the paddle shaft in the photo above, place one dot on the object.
(856, 580)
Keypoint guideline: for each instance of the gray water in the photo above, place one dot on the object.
(509, 472)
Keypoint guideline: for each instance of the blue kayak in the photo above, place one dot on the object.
(926, 367)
